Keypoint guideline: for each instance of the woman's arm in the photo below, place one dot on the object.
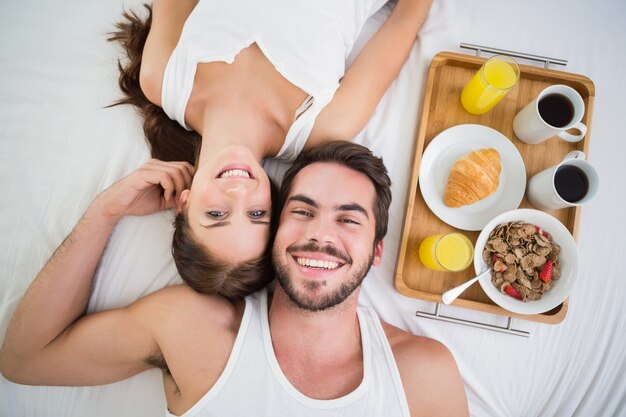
(371, 74)
(47, 342)
(168, 19)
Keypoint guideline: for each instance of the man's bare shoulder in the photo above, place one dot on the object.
(415, 350)
(429, 374)
(179, 304)
(194, 333)
(176, 295)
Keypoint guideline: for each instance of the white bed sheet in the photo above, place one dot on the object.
(59, 147)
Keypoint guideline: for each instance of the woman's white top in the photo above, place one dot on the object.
(253, 383)
(306, 41)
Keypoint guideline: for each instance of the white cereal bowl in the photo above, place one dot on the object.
(568, 258)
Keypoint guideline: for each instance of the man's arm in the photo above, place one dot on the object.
(430, 376)
(371, 74)
(47, 342)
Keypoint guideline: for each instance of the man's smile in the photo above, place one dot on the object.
(317, 263)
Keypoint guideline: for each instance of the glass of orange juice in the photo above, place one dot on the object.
(446, 252)
(491, 82)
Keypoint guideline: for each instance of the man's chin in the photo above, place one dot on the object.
(310, 297)
(315, 295)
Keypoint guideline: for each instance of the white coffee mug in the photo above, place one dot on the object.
(556, 109)
(572, 182)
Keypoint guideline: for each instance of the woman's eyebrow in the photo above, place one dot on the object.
(216, 224)
(226, 223)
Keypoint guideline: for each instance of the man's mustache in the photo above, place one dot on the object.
(326, 249)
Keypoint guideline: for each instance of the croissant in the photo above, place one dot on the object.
(472, 178)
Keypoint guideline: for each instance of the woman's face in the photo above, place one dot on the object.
(229, 205)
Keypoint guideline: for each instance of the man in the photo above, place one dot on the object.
(305, 350)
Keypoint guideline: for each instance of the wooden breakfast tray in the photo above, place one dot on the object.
(441, 109)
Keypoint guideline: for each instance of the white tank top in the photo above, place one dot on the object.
(253, 384)
(306, 41)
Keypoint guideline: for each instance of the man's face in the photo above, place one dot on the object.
(324, 246)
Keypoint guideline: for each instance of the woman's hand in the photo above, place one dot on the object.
(153, 187)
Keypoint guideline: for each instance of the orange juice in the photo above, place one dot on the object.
(446, 252)
(490, 83)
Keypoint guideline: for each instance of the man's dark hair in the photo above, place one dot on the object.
(167, 139)
(353, 156)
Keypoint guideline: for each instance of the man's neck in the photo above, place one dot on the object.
(319, 352)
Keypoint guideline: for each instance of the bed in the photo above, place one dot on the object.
(60, 146)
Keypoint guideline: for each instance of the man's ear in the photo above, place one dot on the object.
(378, 253)
(181, 202)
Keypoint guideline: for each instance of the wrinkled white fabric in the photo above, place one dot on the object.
(59, 146)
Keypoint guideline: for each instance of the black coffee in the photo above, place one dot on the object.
(556, 110)
(571, 183)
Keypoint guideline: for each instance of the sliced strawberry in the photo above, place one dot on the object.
(546, 271)
(512, 292)
(501, 266)
(542, 232)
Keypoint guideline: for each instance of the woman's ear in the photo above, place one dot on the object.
(181, 202)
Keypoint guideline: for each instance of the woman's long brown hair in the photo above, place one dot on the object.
(168, 141)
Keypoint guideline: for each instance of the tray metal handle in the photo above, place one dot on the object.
(508, 329)
(538, 58)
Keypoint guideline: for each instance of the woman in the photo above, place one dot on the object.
(224, 85)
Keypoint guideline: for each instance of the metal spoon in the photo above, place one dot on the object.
(451, 295)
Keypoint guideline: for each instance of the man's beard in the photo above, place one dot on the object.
(328, 300)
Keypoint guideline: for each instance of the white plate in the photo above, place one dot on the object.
(451, 145)
(568, 258)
